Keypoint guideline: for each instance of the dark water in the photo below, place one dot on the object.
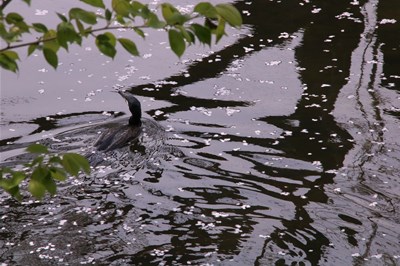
(280, 148)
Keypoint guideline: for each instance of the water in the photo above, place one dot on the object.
(280, 147)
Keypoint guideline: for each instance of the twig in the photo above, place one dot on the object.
(4, 4)
(10, 47)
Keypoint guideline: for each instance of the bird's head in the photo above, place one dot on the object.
(134, 107)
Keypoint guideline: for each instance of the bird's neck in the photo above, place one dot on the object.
(135, 121)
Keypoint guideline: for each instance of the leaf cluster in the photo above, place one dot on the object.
(80, 23)
(42, 172)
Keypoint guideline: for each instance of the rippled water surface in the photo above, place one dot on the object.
(280, 147)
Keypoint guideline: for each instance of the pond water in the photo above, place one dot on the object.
(279, 147)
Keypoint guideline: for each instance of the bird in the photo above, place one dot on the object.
(121, 135)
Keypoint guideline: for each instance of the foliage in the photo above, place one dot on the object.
(78, 23)
(42, 172)
(183, 29)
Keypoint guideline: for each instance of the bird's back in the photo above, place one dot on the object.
(118, 137)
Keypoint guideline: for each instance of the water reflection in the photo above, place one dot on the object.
(211, 194)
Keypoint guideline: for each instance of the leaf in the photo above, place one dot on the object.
(172, 16)
(58, 174)
(13, 18)
(80, 14)
(27, 1)
(17, 178)
(37, 148)
(66, 34)
(202, 33)
(50, 41)
(55, 159)
(8, 60)
(105, 45)
(108, 14)
(11, 54)
(154, 22)
(121, 7)
(139, 32)
(136, 8)
(230, 14)
(73, 162)
(37, 160)
(36, 188)
(206, 9)
(50, 185)
(220, 30)
(36, 184)
(70, 165)
(9, 183)
(168, 11)
(176, 42)
(95, 3)
(14, 191)
(111, 38)
(62, 17)
(185, 34)
(39, 27)
(51, 57)
(129, 46)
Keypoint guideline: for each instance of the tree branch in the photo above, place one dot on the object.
(4, 4)
(10, 47)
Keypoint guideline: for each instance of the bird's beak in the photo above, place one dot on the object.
(124, 94)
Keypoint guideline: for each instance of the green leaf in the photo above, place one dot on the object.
(62, 17)
(153, 21)
(139, 32)
(36, 188)
(121, 7)
(11, 54)
(13, 18)
(168, 11)
(55, 159)
(73, 162)
(18, 177)
(58, 174)
(176, 42)
(129, 46)
(106, 45)
(206, 9)
(37, 148)
(220, 30)
(27, 1)
(111, 38)
(136, 8)
(39, 27)
(172, 16)
(50, 185)
(70, 165)
(37, 160)
(66, 34)
(95, 3)
(185, 34)
(36, 184)
(7, 62)
(50, 41)
(51, 57)
(230, 14)
(108, 14)
(80, 26)
(202, 33)
(86, 16)
(9, 183)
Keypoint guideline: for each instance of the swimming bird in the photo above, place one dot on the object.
(121, 135)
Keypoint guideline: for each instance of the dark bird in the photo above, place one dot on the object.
(120, 136)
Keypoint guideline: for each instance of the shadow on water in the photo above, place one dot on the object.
(196, 197)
